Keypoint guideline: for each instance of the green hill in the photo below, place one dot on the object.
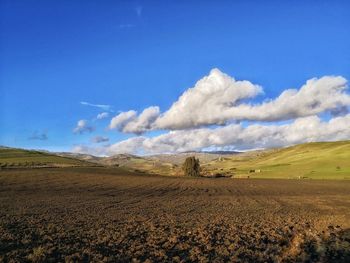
(322, 160)
(15, 158)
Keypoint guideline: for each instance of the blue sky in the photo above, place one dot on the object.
(135, 54)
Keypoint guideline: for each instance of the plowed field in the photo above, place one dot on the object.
(98, 214)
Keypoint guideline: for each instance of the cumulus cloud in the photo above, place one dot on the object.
(131, 145)
(83, 126)
(143, 122)
(41, 136)
(102, 115)
(219, 98)
(316, 96)
(237, 137)
(99, 139)
(207, 102)
(130, 122)
(119, 121)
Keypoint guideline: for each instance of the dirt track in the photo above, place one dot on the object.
(96, 214)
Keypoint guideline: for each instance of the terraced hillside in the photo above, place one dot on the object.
(19, 158)
(322, 160)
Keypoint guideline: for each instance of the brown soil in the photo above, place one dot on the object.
(99, 214)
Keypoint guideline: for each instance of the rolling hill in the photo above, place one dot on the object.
(127, 162)
(321, 160)
(19, 158)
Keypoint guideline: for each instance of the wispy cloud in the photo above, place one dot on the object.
(101, 106)
(41, 136)
(83, 126)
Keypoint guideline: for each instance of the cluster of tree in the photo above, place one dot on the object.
(191, 166)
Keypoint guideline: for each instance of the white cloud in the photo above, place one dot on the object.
(99, 139)
(218, 98)
(101, 106)
(83, 126)
(237, 137)
(207, 101)
(143, 122)
(102, 115)
(119, 121)
(316, 96)
(129, 122)
(131, 145)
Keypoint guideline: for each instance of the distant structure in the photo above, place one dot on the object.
(191, 167)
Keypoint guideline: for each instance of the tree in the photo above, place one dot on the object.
(191, 166)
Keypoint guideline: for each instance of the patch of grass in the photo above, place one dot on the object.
(323, 160)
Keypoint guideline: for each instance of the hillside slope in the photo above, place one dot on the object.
(15, 158)
(322, 160)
